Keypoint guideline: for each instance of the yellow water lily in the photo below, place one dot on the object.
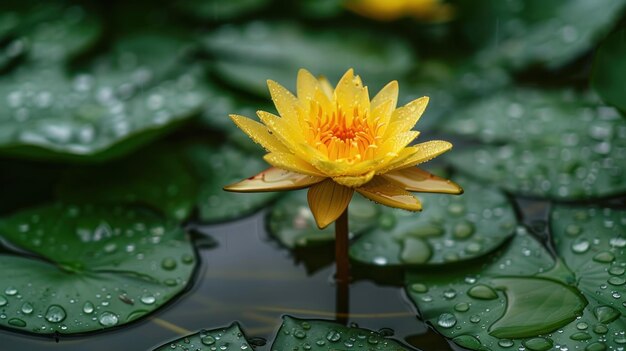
(389, 10)
(337, 141)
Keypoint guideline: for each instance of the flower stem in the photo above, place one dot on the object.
(342, 275)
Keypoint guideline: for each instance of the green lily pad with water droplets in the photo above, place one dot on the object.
(320, 335)
(523, 297)
(292, 224)
(246, 56)
(123, 100)
(609, 70)
(156, 177)
(48, 32)
(85, 268)
(216, 10)
(215, 167)
(536, 32)
(230, 338)
(294, 334)
(449, 229)
(559, 145)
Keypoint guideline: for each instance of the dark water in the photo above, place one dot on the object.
(250, 279)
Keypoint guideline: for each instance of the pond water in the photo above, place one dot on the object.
(249, 278)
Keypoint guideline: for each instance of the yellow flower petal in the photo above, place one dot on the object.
(388, 93)
(404, 118)
(327, 88)
(327, 201)
(287, 105)
(354, 181)
(348, 93)
(259, 133)
(307, 85)
(415, 179)
(292, 163)
(387, 193)
(418, 154)
(282, 130)
(274, 179)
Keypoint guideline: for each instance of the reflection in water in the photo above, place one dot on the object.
(250, 279)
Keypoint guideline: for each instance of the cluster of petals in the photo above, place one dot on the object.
(337, 141)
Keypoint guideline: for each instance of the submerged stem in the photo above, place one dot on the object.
(342, 275)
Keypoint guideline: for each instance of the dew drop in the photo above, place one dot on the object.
(538, 344)
(600, 329)
(475, 318)
(55, 314)
(299, 333)
(617, 270)
(462, 307)
(11, 291)
(606, 314)
(446, 320)
(27, 308)
(463, 230)
(580, 336)
(207, 340)
(333, 335)
(449, 294)
(3, 300)
(168, 264)
(573, 230)
(88, 307)
(617, 281)
(16, 322)
(604, 257)
(417, 287)
(147, 299)
(582, 326)
(506, 343)
(482, 292)
(581, 246)
(107, 319)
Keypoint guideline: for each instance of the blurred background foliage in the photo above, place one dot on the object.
(124, 104)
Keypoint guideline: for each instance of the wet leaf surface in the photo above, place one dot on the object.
(87, 268)
(156, 177)
(294, 334)
(216, 10)
(292, 224)
(559, 145)
(230, 338)
(122, 101)
(522, 297)
(536, 32)
(449, 229)
(215, 167)
(326, 335)
(246, 56)
(609, 70)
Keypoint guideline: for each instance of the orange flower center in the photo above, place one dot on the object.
(351, 137)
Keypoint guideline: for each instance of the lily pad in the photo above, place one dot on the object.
(246, 56)
(216, 10)
(99, 114)
(560, 145)
(228, 338)
(537, 32)
(215, 167)
(292, 224)
(87, 268)
(294, 334)
(156, 177)
(609, 70)
(449, 229)
(320, 335)
(53, 32)
(523, 297)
